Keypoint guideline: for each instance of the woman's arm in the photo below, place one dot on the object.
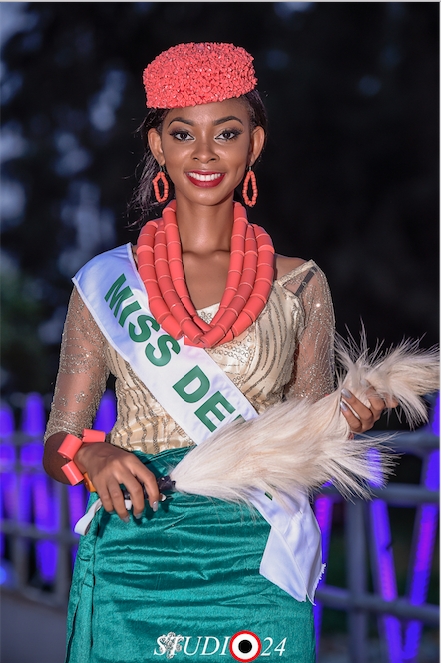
(80, 384)
(82, 373)
(314, 372)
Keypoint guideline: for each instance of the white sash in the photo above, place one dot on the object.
(198, 395)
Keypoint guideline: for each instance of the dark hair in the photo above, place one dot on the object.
(144, 201)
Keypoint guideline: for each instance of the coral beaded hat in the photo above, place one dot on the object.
(189, 75)
(193, 74)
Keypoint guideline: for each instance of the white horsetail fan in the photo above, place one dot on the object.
(299, 445)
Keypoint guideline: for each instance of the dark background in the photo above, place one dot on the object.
(349, 177)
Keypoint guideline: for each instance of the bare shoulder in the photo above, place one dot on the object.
(284, 265)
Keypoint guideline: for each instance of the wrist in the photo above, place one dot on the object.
(73, 449)
(81, 458)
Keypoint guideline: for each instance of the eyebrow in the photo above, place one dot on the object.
(227, 119)
(221, 120)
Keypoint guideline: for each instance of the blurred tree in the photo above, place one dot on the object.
(350, 174)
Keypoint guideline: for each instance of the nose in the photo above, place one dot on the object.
(204, 151)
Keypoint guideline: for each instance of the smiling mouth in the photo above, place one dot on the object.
(205, 179)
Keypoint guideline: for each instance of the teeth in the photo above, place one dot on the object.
(205, 178)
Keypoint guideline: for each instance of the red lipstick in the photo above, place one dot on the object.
(203, 178)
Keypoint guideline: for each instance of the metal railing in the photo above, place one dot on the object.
(38, 546)
(368, 538)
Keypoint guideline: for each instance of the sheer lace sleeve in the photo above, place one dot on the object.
(313, 374)
(82, 373)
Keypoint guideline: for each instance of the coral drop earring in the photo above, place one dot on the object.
(250, 177)
(161, 177)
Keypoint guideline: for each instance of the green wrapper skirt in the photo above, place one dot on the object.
(182, 584)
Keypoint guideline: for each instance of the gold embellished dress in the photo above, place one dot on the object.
(182, 582)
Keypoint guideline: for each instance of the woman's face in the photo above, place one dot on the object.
(206, 149)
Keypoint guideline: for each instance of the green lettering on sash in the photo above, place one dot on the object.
(118, 295)
(210, 405)
(195, 374)
(163, 348)
(145, 332)
(131, 308)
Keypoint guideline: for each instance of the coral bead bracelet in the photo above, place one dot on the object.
(70, 446)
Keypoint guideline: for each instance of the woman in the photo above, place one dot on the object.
(181, 577)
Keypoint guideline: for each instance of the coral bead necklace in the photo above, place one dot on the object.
(249, 280)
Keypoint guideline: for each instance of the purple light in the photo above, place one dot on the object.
(375, 468)
(383, 544)
(47, 520)
(34, 416)
(77, 503)
(7, 462)
(77, 506)
(24, 503)
(323, 512)
(7, 456)
(2, 538)
(384, 567)
(3, 575)
(431, 480)
(435, 424)
(36, 502)
(384, 575)
(106, 415)
(423, 558)
(31, 455)
(9, 490)
(37, 488)
(6, 421)
(425, 530)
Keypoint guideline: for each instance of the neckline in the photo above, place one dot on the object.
(207, 309)
(282, 280)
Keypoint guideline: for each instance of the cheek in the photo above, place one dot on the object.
(243, 151)
(173, 160)
(241, 160)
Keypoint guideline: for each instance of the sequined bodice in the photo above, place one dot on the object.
(288, 350)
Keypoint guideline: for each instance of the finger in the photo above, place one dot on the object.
(354, 422)
(136, 491)
(105, 498)
(377, 403)
(148, 479)
(360, 410)
(117, 498)
(387, 401)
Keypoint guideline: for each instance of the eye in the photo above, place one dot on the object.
(181, 135)
(229, 134)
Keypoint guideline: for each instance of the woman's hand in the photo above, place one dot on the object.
(109, 466)
(362, 417)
